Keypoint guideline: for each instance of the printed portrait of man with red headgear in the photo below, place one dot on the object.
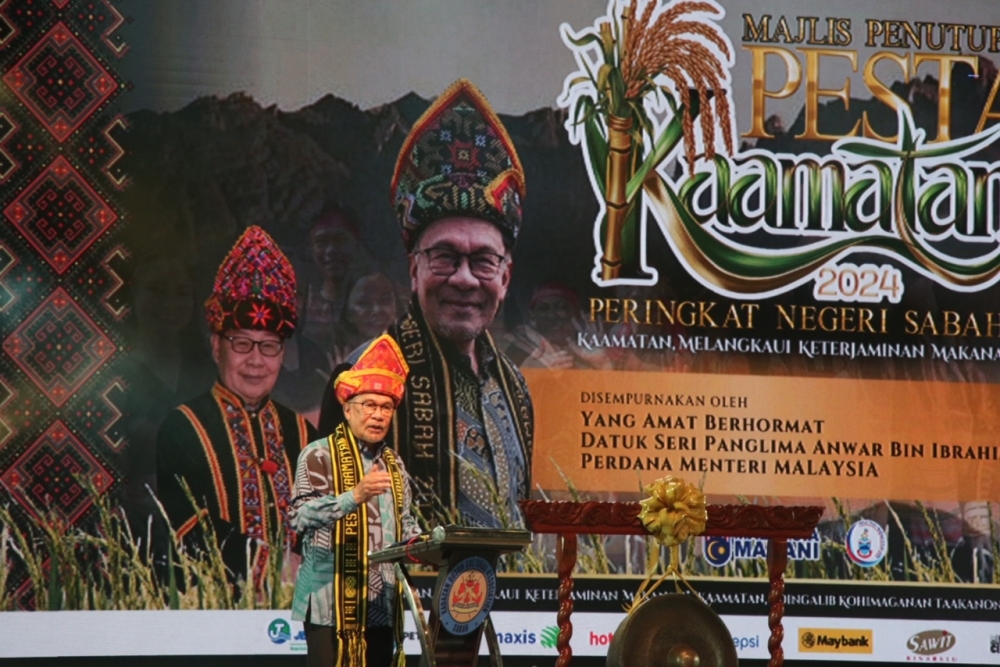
(232, 449)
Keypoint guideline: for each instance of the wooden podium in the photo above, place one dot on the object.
(466, 559)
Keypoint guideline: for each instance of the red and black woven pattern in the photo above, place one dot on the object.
(60, 298)
(458, 160)
(254, 288)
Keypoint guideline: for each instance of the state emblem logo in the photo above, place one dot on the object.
(866, 543)
(467, 595)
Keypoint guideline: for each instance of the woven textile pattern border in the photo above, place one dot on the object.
(60, 259)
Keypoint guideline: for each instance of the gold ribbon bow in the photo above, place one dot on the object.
(673, 512)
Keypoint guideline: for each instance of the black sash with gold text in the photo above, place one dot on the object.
(350, 545)
(424, 431)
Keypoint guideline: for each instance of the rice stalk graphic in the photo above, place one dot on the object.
(659, 51)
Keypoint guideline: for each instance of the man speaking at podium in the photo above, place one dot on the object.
(352, 496)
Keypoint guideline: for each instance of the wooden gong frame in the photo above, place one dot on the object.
(777, 524)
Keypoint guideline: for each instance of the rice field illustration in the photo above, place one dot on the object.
(102, 565)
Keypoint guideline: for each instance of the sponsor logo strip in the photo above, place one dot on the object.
(522, 633)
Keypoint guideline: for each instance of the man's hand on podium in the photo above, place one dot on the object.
(375, 483)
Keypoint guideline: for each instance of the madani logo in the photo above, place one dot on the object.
(931, 642)
(279, 631)
(830, 640)
(866, 543)
(750, 222)
(719, 551)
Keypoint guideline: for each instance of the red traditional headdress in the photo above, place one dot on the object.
(254, 288)
(458, 160)
(381, 369)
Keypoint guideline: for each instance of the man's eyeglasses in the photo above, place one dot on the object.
(483, 264)
(370, 407)
(269, 348)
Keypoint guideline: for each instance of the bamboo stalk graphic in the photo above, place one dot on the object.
(649, 49)
(618, 174)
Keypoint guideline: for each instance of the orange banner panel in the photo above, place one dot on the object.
(778, 436)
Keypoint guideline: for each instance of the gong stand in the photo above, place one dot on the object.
(459, 618)
(776, 524)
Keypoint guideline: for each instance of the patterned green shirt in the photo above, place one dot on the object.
(313, 513)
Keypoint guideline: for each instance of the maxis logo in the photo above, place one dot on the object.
(522, 637)
(832, 640)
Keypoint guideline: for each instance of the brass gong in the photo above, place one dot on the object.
(672, 631)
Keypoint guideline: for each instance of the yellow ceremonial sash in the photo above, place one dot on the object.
(350, 546)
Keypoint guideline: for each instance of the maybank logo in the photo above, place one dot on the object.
(830, 640)
(279, 631)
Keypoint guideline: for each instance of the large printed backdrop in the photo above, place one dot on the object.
(114, 226)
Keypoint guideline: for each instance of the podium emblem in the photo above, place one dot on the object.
(467, 596)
